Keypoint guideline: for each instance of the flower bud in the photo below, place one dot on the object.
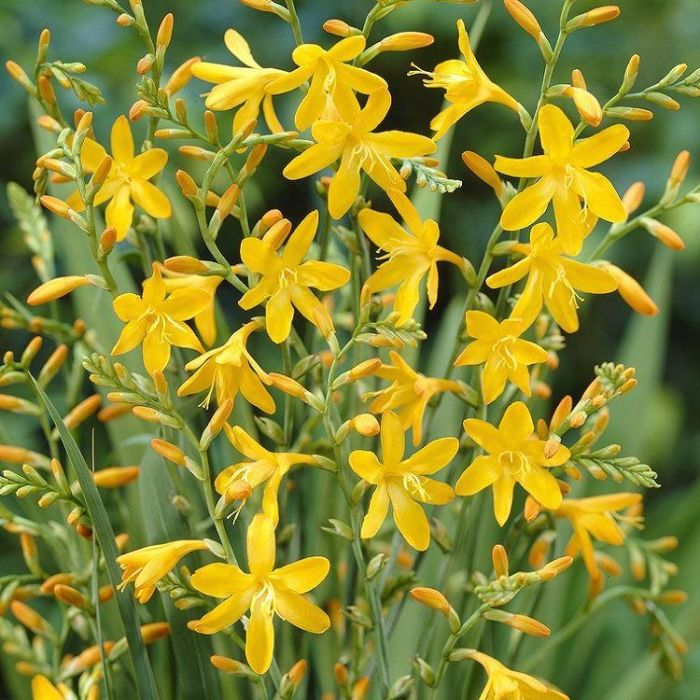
(223, 663)
(499, 557)
(593, 17)
(56, 288)
(555, 567)
(484, 171)
(181, 76)
(405, 41)
(431, 599)
(70, 596)
(633, 198)
(154, 631)
(664, 234)
(115, 477)
(632, 292)
(86, 408)
(165, 32)
(168, 451)
(524, 17)
(339, 28)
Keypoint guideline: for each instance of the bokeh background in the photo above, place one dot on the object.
(658, 422)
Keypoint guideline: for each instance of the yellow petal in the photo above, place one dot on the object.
(599, 147)
(534, 166)
(132, 334)
(482, 326)
(600, 196)
(345, 185)
(376, 512)
(528, 206)
(484, 434)
(43, 689)
(540, 484)
(156, 351)
(348, 48)
(238, 46)
(279, 313)
(410, 518)
(128, 306)
(481, 473)
(366, 465)
(312, 160)
(517, 422)
(303, 575)
(300, 612)
(556, 132)
(588, 278)
(493, 381)
(260, 636)
(408, 212)
(300, 241)
(120, 211)
(261, 545)
(149, 163)
(392, 439)
(503, 498)
(225, 614)
(122, 141)
(220, 580)
(509, 275)
(322, 275)
(434, 456)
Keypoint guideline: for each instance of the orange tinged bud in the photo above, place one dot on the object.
(633, 198)
(664, 234)
(17, 73)
(112, 412)
(55, 205)
(186, 264)
(138, 110)
(360, 689)
(499, 556)
(223, 663)
(46, 90)
(339, 28)
(483, 170)
(555, 567)
(48, 585)
(365, 424)
(431, 599)
(287, 385)
(181, 76)
(405, 41)
(341, 675)
(115, 477)
(297, 672)
(83, 411)
(598, 15)
(680, 169)
(228, 200)
(239, 490)
(69, 595)
(186, 183)
(56, 288)
(632, 292)
(524, 17)
(154, 631)
(30, 618)
(165, 32)
(168, 451)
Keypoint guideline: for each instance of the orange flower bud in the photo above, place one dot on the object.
(431, 599)
(339, 28)
(499, 557)
(86, 408)
(181, 76)
(56, 288)
(30, 618)
(664, 234)
(632, 292)
(168, 451)
(524, 17)
(598, 15)
(483, 170)
(69, 595)
(115, 477)
(632, 199)
(154, 631)
(55, 205)
(405, 41)
(365, 424)
(165, 32)
(223, 663)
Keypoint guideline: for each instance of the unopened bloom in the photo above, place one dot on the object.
(513, 455)
(227, 370)
(266, 591)
(505, 683)
(503, 352)
(563, 177)
(145, 567)
(553, 280)
(594, 517)
(261, 466)
(205, 320)
(127, 180)
(332, 75)
(285, 280)
(352, 139)
(246, 87)
(158, 319)
(402, 482)
(409, 255)
(408, 394)
(465, 84)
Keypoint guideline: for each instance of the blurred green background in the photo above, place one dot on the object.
(658, 422)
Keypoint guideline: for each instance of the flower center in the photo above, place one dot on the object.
(414, 485)
(287, 277)
(513, 462)
(503, 349)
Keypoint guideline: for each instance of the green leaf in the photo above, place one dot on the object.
(196, 676)
(145, 682)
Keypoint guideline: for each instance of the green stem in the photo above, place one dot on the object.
(294, 22)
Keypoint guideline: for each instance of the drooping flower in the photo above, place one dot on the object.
(403, 482)
(408, 394)
(245, 88)
(465, 84)
(552, 280)
(286, 280)
(333, 78)
(262, 466)
(145, 567)
(352, 139)
(227, 370)
(504, 354)
(505, 683)
(205, 320)
(157, 319)
(266, 591)
(408, 255)
(127, 180)
(564, 178)
(513, 455)
(594, 518)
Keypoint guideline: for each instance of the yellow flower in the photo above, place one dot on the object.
(402, 482)
(564, 178)
(465, 84)
(408, 393)
(505, 683)
(410, 255)
(352, 139)
(127, 180)
(244, 87)
(157, 318)
(503, 352)
(263, 466)
(333, 78)
(205, 320)
(514, 455)
(44, 689)
(552, 280)
(145, 567)
(286, 279)
(266, 591)
(594, 517)
(228, 369)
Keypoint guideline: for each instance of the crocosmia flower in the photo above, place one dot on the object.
(352, 139)
(286, 280)
(553, 280)
(408, 255)
(514, 454)
(403, 482)
(127, 182)
(563, 177)
(265, 591)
